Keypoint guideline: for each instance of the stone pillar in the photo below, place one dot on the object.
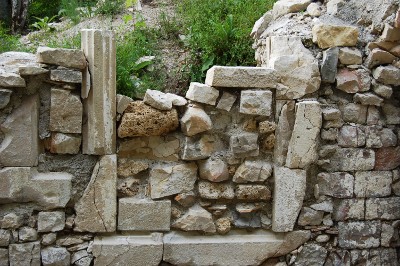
(99, 92)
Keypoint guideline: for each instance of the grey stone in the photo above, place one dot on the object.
(359, 235)
(379, 57)
(177, 100)
(32, 70)
(27, 254)
(51, 221)
(331, 113)
(133, 250)
(5, 237)
(66, 75)
(382, 208)
(388, 75)
(261, 25)
(202, 93)
(292, 6)
(247, 220)
(283, 132)
(350, 56)
(144, 215)
(122, 103)
(79, 256)
(289, 192)
(383, 90)
(158, 100)
(63, 57)
(388, 233)
(196, 219)
(215, 170)
(349, 209)
(356, 160)
(351, 136)
(208, 190)
(170, 180)
(368, 99)
(312, 254)
(48, 239)
(52, 256)
(256, 102)
(11, 221)
(355, 113)
(226, 102)
(252, 171)
(26, 234)
(244, 145)
(11, 80)
(373, 184)
(329, 134)
(195, 120)
(310, 216)
(4, 257)
(392, 113)
(324, 204)
(373, 139)
(4, 97)
(199, 148)
(329, 65)
(64, 143)
(338, 185)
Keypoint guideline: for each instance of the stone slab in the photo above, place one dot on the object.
(63, 57)
(355, 160)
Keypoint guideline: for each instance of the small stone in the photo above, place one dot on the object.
(348, 209)
(64, 143)
(347, 81)
(291, 6)
(52, 256)
(247, 220)
(197, 149)
(325, 204)
(256, 102)
(330, 134)
(5, 238)
(49, 239)
(51, 221)
(177, 100)
(310, 216)
(158, 100)
(322, 238)
(359, 235)
(266, 127)
(383, 90)
(329, 65)
(214, 191)
(73, 58)
(195, 121)
(252, 171)
(350, 56)
(269, 142)
(338, 185)
(27, 234)
(373, 134)
(11, 80)
(4, 97)
(66, 75)
(202, 93)
(312, 254)
(252, 192)
(223, 225)
(351, 136)
(226, 102)
(387, 158)
(326, 35)
(25, 254)
(379, 57)
(79, 255)
(122, 103)
(355, 113)
(390, 34)
(388, 75)
(214, 170)
(196, 219)
(367, 99)
(331, 113)
(244, 145)
(129, 167)
(314, 10)
(186, 199)
(11, 221)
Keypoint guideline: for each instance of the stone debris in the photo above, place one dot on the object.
(5, 96)
(202, 93)
(122, 103)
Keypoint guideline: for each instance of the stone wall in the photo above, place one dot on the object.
(293, 162)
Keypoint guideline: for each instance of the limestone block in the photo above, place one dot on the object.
(65, 112)
(170, 180)
(214, 170)
(359, 234)
(99, 130)
(296, 64)
(32, 70)
(302, 150)
(350, 56)
(12, 80)
(20, 146)
(389, 75)
(253, 171)
(143, 120)
(27, 254)
(196, 148)
(242, 77)
(51, 221)
(235, 248)
(122, 103)
(355, 160)
(26, 234)
(4, 97)
(289, 191)
(379, 57)
(202, 93)
(284, 7)
(252, 192)
(382, 208)
(52, 256)
(96, 211)
(244, 145)
(349, 209)
(283, 132)
(330, 35)
(63, 57)
(261, 25)
(387, 158)
(354, 113)
(196, 219)
(213, 191)
(133, 250)
(256, 102)
(329, 64)
(195, 120)
(226, 102)
(373, 184)
(144, 215)
(64, 143)
(368, 99)
(351, 136)
(129, 167)
(338, 184)
(390, 34)
(158, 100)
(66, 75)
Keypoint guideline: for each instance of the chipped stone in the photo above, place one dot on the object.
(73, 58)
(382, 208)
(256, 102)
(213, 191)
(379, 57)
(329, 35)
(199, 148)
(350, 56)
(195, 120)
(356, 160)
(310, 216)
(252, 171)
(202, 93)
(11, 80)
(215, 170)
(4, 97)
(290, 6)
(158, 100)
(226, 102)
(368, 99)
(122, 103)
(196, 219)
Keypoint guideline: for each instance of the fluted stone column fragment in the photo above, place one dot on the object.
(99, 92)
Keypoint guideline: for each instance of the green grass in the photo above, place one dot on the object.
(9, 42)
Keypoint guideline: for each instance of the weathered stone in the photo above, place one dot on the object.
(296, 64)
(213, 191)
(51, 221)
(389, 75)
(324, 204)
(261, 25)
(99, 90)
(252, 192)
(142, 120)
(302, 149)
(322, 238)
(241, 77)
(312, 254)
(4, 257)
(11, 221)
(379, 57)
(351, 136)
(196, 149)
(96, 211)
(52, 256)
(48, 239)
(329, 64)
(356, 160)
(368, 99)
(350, 56)
(65, 112)
(25, 254)
(223, 225)
(338, 185)
(284, 132)
(380, 256)
(79, 258)
(202, 93)
(26, 234)
(122, 103)
(314, 10)
(253, 171)
(20, 146)
(196, 219)
(5, 238)
(129, 167)
(382, 208)
(349, 209)
(11, 80)
(359, 234)
(392, 113)
(289, 192)
(387, 158)
(195, 120)
(256, 102)
(355, 113)
(226, 102)
(177, 100)
(64, 143)
(388, 233)
(170, 180)
(158, 100)
(329, 35)
(144, 215)
(32, 70)
(330, 134)
(63, 57)
(266, 127)
(390, 34)
(66, 75)
(348, 81)
(186, 199)
(310, 216)
(245, 219)
(215, 170)
(4, 97)
(244, 145)
(236, 248)
(290, 6)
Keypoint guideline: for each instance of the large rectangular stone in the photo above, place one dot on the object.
(27, 254)
(351, 159)
(63, 57)
(137, 250)
(338, 185)
(382, 208)
(144, 215)
(359, 234)
(242, 77)
(373, 184)
(289, 192)
(99, 92)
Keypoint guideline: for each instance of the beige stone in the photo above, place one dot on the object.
(252, 171)
(158, 100)
(330, 35)
(122, 103)
(209, 190)
(379, 57)
(196, 219)
(284, 7)
(350, 56)
(96, 211)
(11, 80)
(200, 148)
(389, 75)
(32, 70)
(202, 93)
(63, 57)
(129, 167)
(390, 33)
(64, 143)
(256, 102)
(252, 192)
(283, 132)
(215, 170)
(226, 102)
(195, 120)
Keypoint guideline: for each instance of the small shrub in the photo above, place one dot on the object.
(42, 8)
(110, 7)
(9, 42)
(43, 23)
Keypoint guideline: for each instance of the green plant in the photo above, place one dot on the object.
(44, 23)
(110, 7)
(170, 26)
(9, 42)
(69, 8)
(42, 8)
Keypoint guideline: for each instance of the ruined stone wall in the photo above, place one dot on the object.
(293, 162)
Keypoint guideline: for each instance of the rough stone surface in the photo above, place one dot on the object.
(123, 102)
(170, 180)
(302, 149)
(4, 257)
(135, 250)
(387, 158)
(379, 57)
(4, 97)
(158, 100)
(213, 191)
(329, 64)
(373, 184)
(129, 167)
(51, 221)
(226, 102)
(252, 192)
(312, 254)
(330, 35)
(142, 120)
(26, 234)
(355, 113)
(368, 99)
(66, 75)
(389, 75)
(350, 56)
(291, 6)
(55, 256)
(24, 254)
(5, 237)
(256, 102)
(96, 211)
(351, 136)
(11, 80)
(64, 143)
(63, 57)
(244, 145)
(360, 235)
(215, 170)
(65, 112)
(310, 216)
(20, 146)
(283, 132)
(383, 90)
(144, 215)
(196, 219)
(241, 77)
(32, 70)
(202, 93)
(357, 160)
(252, 171)
(382, 208)
(338, 185)
(199, 148)
(195, 120)
(289, 192)
(349, 209)
(390, 33)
